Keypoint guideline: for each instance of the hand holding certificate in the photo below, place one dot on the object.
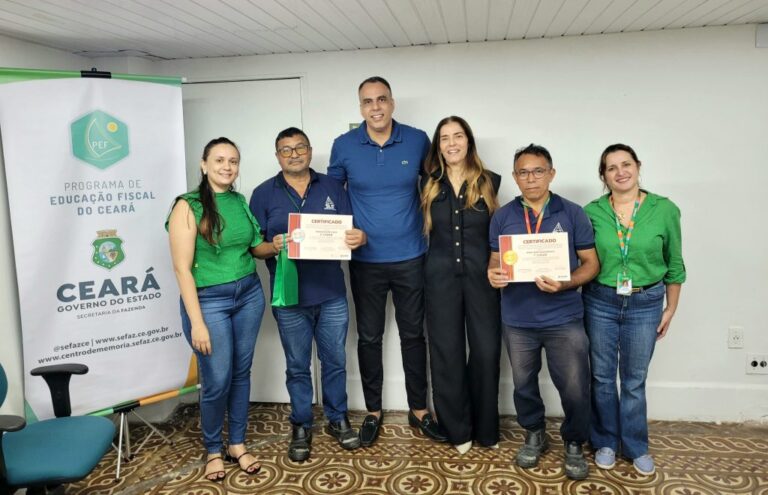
(318, 237)
(525, 257)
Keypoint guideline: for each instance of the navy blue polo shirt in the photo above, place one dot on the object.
(382, 183)
(319, 280)
(523, 304)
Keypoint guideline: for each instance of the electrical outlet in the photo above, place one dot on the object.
(735, 337)
(757, 364)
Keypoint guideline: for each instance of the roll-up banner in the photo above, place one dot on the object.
(93, 161)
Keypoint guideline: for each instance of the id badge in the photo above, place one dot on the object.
(623, 284)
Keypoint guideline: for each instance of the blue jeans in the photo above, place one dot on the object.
(327, 324)
(232, 313)
(622, 336)
(568, 362)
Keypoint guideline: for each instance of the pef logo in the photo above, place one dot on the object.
(99, 139)
(107, 249)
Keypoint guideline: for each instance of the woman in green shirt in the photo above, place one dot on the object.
(212, 235)
(638, 241)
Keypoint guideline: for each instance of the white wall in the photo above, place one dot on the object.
(14, 53)
(692, 102)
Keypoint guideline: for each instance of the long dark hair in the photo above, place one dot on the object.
(479, 184)
(211, 223)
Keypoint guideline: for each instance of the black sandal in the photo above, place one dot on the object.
(215, 476)
(236, 460)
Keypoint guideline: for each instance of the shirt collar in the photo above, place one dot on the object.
(605, 201)
(555, 204)
(280, 179)
(395, 137)
(441, 176)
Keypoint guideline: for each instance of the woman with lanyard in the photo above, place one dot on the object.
(212, 235)
(458, 199)
(638, 240)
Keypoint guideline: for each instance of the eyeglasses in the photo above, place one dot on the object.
(287, 151)
(537, 173)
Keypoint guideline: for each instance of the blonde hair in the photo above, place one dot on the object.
(479, 184)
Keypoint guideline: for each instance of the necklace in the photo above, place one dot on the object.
(619, 214)
(613, 207)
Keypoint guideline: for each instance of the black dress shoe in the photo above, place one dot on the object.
(343, 432)
(428, 426)
(369, 431)
(301, 444)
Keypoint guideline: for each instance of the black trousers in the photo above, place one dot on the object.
(370, 284)
(465, 388)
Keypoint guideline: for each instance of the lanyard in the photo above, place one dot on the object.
(303, 200)
(539, 217)
(624, 238)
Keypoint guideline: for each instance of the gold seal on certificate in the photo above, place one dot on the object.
(524, 257)
(318, 237)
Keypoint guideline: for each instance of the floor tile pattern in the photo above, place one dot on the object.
(691, 459)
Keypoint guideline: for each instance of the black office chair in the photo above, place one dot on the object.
(43, 455)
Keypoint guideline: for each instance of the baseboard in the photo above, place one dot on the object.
(684, 401)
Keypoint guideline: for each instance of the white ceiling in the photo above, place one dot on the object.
(178, 29)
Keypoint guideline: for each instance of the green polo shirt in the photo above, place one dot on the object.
(230, 258)
(655, 250)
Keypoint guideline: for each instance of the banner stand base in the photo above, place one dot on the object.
(125, 433)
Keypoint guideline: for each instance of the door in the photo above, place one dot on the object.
(250, 113)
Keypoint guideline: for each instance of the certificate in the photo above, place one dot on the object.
(527, 256)
(318, 237)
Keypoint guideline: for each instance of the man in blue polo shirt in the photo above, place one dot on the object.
(322, 312)
(547, 314)
(380, 162)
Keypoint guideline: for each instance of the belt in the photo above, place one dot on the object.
(636, 289)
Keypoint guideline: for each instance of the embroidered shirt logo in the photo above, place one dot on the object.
(404, 162)
(329, 204)
(558, 228)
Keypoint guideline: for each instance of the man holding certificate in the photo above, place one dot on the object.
(309, 213)
(542, 251)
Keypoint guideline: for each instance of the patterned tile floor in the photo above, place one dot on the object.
(691, 458)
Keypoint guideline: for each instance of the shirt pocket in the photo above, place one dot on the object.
(441, 196)
(480, 205)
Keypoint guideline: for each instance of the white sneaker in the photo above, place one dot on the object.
(463, 448)
(644, 465)
(605, 458)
